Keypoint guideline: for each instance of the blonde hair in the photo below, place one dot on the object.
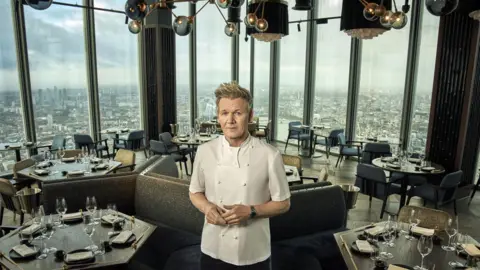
(233, 90)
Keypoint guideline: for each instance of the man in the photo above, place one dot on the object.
(238, 182)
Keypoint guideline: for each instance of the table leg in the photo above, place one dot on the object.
(17, 155)
(312, 150)
(403, 196)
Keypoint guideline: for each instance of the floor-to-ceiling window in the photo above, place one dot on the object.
(382, 83)
(117, 67)
(332, 66)
(213, 58)
(182, 71)
(292, 74)
(261, 92)
(56, 54)
(11, 124)
(244, 53)
(424, 86)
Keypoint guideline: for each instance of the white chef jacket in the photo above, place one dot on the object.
(251, 174)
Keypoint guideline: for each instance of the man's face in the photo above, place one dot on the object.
(233, 115)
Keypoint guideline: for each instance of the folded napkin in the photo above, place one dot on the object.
(122, 237)
(79, 256)
(96, 160)
(16, 146)
(101, 166)
(72, 216)
(375, 230)
(68, 159)
(394, 267)
(423, 231)
(31, 229)
(364, 246)
(24, 250)
(40, 172)
(43, 164)
(471, 250)
(109, 218)
(76, 172)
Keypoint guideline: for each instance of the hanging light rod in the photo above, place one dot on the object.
(318, 20)
(87, 7)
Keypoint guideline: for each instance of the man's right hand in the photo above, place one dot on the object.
(214, 214)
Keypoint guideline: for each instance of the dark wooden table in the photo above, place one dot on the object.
(405, 252)
(17, 147)
(56, 171)
(74, 238)
(406, 171)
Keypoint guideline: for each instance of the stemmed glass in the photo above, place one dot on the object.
(373, 239)
(413, 221)
(38, 217)
(424, 246)
(214, 129)
(392, 227)
(112, 209)
(388, 236)
(459, 240)
(61, 206)
(43, 249)
(89, 229)
(451, 230)
(61, 153)
(91, 206)
(48, 232)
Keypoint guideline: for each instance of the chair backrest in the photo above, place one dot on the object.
(58, 142)
(82, 140)
(341, 138)
(294, 130)
(7, 196)
(371, 173)
(135, 139)
(38, 157)
(292, 161)
(165, 138)
(72, 153)
(126, 157)
(252, 128)
(452, 180)
(332, 139)
(22, 165)
(158, 147)
(430, 218)
(375, 150)
(164, 166)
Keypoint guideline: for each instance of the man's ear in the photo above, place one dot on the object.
(250, 116)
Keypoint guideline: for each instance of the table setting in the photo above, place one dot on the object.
(80, 239)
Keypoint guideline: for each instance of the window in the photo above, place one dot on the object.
(292, 74)
(423, 91)
(117, 68)
(58, 72)
(213, 58)
(382, 83)
(11, 124)
(183, 71)
(244, 57)
(331, 75)
(261, 92)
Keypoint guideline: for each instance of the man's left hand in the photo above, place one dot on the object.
(236, 213)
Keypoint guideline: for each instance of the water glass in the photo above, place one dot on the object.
(424, 246)
(413, 221)
(89, 229)
(451, 230)
(61, 207)
(388, 236)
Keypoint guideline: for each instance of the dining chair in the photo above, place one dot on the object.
(18, 181)
(372, 151)
(440, 195)
(84, 140)
(429, 218)
(127, 158)
(296, 161)
(58, 142)
(8, 200)
(160, 148)
(474, 190)
(348, 149)
(296, 133)
(372, 181)
(328, 141)
(134, 142)
(183, 150)
(264, 131)
(72, 153)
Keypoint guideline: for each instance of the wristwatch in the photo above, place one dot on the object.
(253, 212)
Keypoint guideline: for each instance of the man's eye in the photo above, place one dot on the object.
(238, 113)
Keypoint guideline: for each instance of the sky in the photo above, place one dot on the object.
(56, 51)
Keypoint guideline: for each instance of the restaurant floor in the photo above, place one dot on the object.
(362, 214)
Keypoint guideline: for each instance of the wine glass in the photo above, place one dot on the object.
(388, 236)
(424, 246)
(91, 206)
(48, 233)
(459, 239)
(61, 153)
(392, 229)
(214, 129)
(38, 216)
(89, 229)
(451, 230)
(413, 221)
(112, 210)
(61, 206)
(373, 240)
(43, 249)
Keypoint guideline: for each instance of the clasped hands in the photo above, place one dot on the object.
(228, 215)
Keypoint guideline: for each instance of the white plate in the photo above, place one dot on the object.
(395, 166)
(76, 173)
(204, 139)
(387, 159)
(427, 169)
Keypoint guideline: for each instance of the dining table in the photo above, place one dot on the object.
(194, 140)
(73, 238)
(293, 177)
(405, 252)
(115, 131)
(312, 130)
(409, 167)
(63, 171)
(17, 147)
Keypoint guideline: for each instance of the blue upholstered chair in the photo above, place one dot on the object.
(375, 150)
(296, 133)
(84, 140)
(328, 141)
(440, 195)
(372, 181)
(347, 149)
(133, 142)
(160, 148)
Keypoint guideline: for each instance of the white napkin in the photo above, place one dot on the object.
(24, 250)
(40, 171)
(31, 229)
(71, 216)
(96, 160)
(101, 166)
(68, 159)
(109, 218)
(394, 267)
(364, 246)
(43, 164)
(423, 231)
(122, 237)
(79, 256)
(471, 250)
(375, 230)
(76, 173)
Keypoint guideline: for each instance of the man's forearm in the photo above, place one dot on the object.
(272, 208)
(200, 201)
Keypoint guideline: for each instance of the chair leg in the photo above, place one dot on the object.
(144, 151)
(22, 217)
(328, 151)
(338, 160)
(1, 215)
(286, 144)
(473, 193)
(455, 207)
(385, 199)
(298, 145)
(108, 154)
(424, 202)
